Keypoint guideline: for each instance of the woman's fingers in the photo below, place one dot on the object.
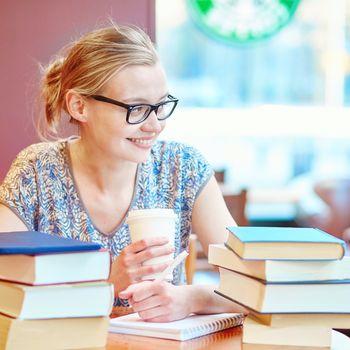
(148, 298)
(129, 292)
(136, 274)
(158, 301)
(145, 243)
(150, 249)
(129, 268)
(155, 314)
(153, 252)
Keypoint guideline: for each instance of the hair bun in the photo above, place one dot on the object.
(51, 90)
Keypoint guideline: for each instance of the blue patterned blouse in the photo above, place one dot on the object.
(41, 190)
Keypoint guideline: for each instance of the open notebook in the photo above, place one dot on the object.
(191, 327)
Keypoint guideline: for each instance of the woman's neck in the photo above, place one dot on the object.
(105, 173)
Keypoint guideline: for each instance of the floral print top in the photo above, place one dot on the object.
(40, 189)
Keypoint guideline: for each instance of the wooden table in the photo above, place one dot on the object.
(226, 340)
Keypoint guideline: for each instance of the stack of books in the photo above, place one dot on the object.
(54, 292)
(294, 281)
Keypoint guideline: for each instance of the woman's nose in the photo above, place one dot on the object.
(152, 123)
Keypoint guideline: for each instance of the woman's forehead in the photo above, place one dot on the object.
(143, 81)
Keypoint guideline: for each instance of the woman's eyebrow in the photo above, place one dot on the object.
(143, 100)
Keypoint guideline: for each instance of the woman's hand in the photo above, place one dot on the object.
(127, 267)
(159, 301)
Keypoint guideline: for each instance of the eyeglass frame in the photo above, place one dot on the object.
(130, 107)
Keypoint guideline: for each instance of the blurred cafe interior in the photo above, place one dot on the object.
(266, 98)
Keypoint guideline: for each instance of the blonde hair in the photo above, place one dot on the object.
(87, 65)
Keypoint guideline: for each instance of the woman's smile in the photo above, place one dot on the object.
(142, 142)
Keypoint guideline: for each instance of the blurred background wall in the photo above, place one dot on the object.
(31, 32)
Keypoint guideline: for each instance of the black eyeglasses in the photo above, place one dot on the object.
(137, 113)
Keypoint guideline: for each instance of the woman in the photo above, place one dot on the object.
(112, 85)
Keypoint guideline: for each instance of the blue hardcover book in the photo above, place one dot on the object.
(284, 243)
(285, 297)
(32, 242)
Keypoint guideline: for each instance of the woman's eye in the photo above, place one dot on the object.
(138, 110)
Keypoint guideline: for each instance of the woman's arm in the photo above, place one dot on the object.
(209, 221)
(210, 216)
(9, 221)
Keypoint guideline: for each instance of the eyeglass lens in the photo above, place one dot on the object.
(141, 112)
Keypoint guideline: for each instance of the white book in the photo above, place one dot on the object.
(88, 299)
(191, 327)
(330, 320)
(304, 335)
(63, 267)
(280, 270)
(57, 333)
(285, 297)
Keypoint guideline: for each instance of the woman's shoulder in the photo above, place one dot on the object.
(34, 162)
(41, 150)
(39, 154)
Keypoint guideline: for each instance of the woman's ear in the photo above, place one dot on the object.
(76, 106)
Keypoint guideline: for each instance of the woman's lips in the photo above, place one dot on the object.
(142, 141)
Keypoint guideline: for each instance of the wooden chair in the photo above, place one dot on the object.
(336, 195)
(190, 263)
(220, 175)
(236, 204)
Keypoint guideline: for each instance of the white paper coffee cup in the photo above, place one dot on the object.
(145, 223)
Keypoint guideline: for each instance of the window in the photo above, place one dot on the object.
(272, 112)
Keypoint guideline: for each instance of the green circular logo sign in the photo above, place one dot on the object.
(241, 21)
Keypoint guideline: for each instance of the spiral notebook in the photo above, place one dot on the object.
(191, 327)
